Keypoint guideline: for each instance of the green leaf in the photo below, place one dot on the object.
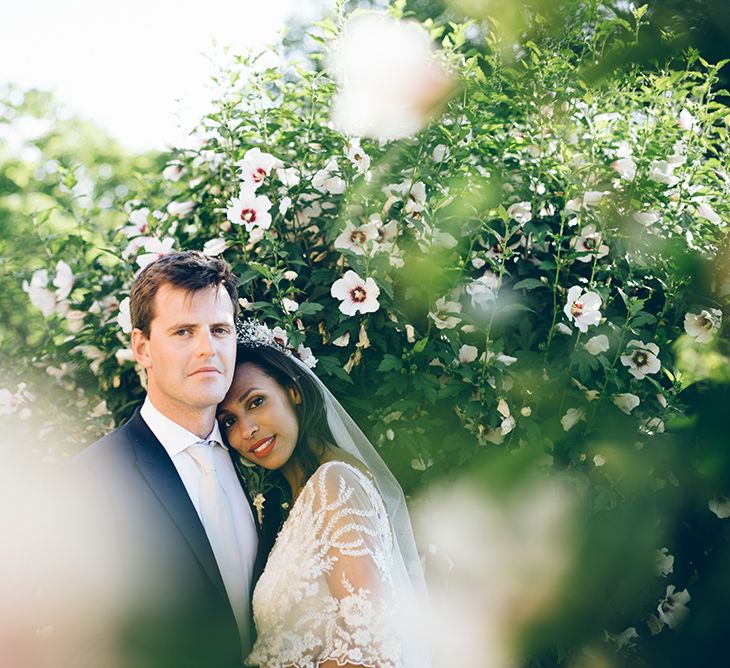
(390, 363)
(529, 284)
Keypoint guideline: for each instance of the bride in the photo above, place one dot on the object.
(344, 572)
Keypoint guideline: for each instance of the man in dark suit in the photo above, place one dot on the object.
(181, 575)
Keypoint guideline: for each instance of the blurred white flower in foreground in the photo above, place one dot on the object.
(389, 76)
(702, 326)
(250, 210)
(642, 360)
(494, 565)
(582, 308)
(356, 294)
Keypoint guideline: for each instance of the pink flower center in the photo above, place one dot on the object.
(576, 309)
(590, 242)
(358, 237)
(704, 323)
(259, 174)
(248, 215)
(358, 295)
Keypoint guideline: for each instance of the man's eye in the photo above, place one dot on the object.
(182, 332)
(221, 330)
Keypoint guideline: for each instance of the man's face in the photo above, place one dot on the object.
(190, 353)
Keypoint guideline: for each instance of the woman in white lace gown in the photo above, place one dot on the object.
(344, 562)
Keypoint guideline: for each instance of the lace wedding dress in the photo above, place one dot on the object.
(329, 589)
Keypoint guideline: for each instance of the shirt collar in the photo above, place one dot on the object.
(173, 437)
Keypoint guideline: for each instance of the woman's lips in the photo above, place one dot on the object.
(263, 447)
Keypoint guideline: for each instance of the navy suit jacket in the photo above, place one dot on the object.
(173, 609)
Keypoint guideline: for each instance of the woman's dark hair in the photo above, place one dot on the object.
(314, 432)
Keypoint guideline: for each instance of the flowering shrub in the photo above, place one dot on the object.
(517, 276)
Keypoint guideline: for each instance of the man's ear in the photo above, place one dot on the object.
(141, 348)
(295, 394)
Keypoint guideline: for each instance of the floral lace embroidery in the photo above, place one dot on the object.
(327, 590)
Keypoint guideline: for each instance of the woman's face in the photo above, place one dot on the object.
(258, 417)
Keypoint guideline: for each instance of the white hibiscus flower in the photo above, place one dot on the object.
(356, 294)
(626, 402)
(646, 218)
(704, 325)
(180, 209)
(124, 318)
(521, 212)
(597, 344)
(467, 354)
(154, 249)
(583, 308)
(356, 239)
(256, 166)
(38, 292)
(571, 418)
(214, 247)
(172, 172)
(686, 121)
(588, 244)
(720, 506)
(327, 179)
(444, 314)
(662, 171)
(483, 290)
(704, 210)
(642, 358)
(250, 210)
(664, 562)
(139, 223)
(626, 168)
(672, 608)
(63, 280)
(357, 156)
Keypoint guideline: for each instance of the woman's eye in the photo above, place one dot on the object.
(256, 402)
(228, 422)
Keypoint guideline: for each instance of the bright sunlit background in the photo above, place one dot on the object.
(140, 68)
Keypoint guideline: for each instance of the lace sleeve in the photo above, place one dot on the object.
(357, 548)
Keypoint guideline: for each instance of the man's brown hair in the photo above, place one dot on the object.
(189, 270)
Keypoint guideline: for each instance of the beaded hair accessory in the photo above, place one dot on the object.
(257, 334)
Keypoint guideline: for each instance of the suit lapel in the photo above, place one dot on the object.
(161, 475)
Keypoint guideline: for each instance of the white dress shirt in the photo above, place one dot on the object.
(175, 439)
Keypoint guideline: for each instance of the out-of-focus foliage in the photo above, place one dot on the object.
(546, 282)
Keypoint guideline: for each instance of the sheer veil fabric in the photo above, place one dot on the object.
(408, 576)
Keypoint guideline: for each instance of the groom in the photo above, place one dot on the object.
(185, 571)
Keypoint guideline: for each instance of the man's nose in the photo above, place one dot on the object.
(205, 345)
